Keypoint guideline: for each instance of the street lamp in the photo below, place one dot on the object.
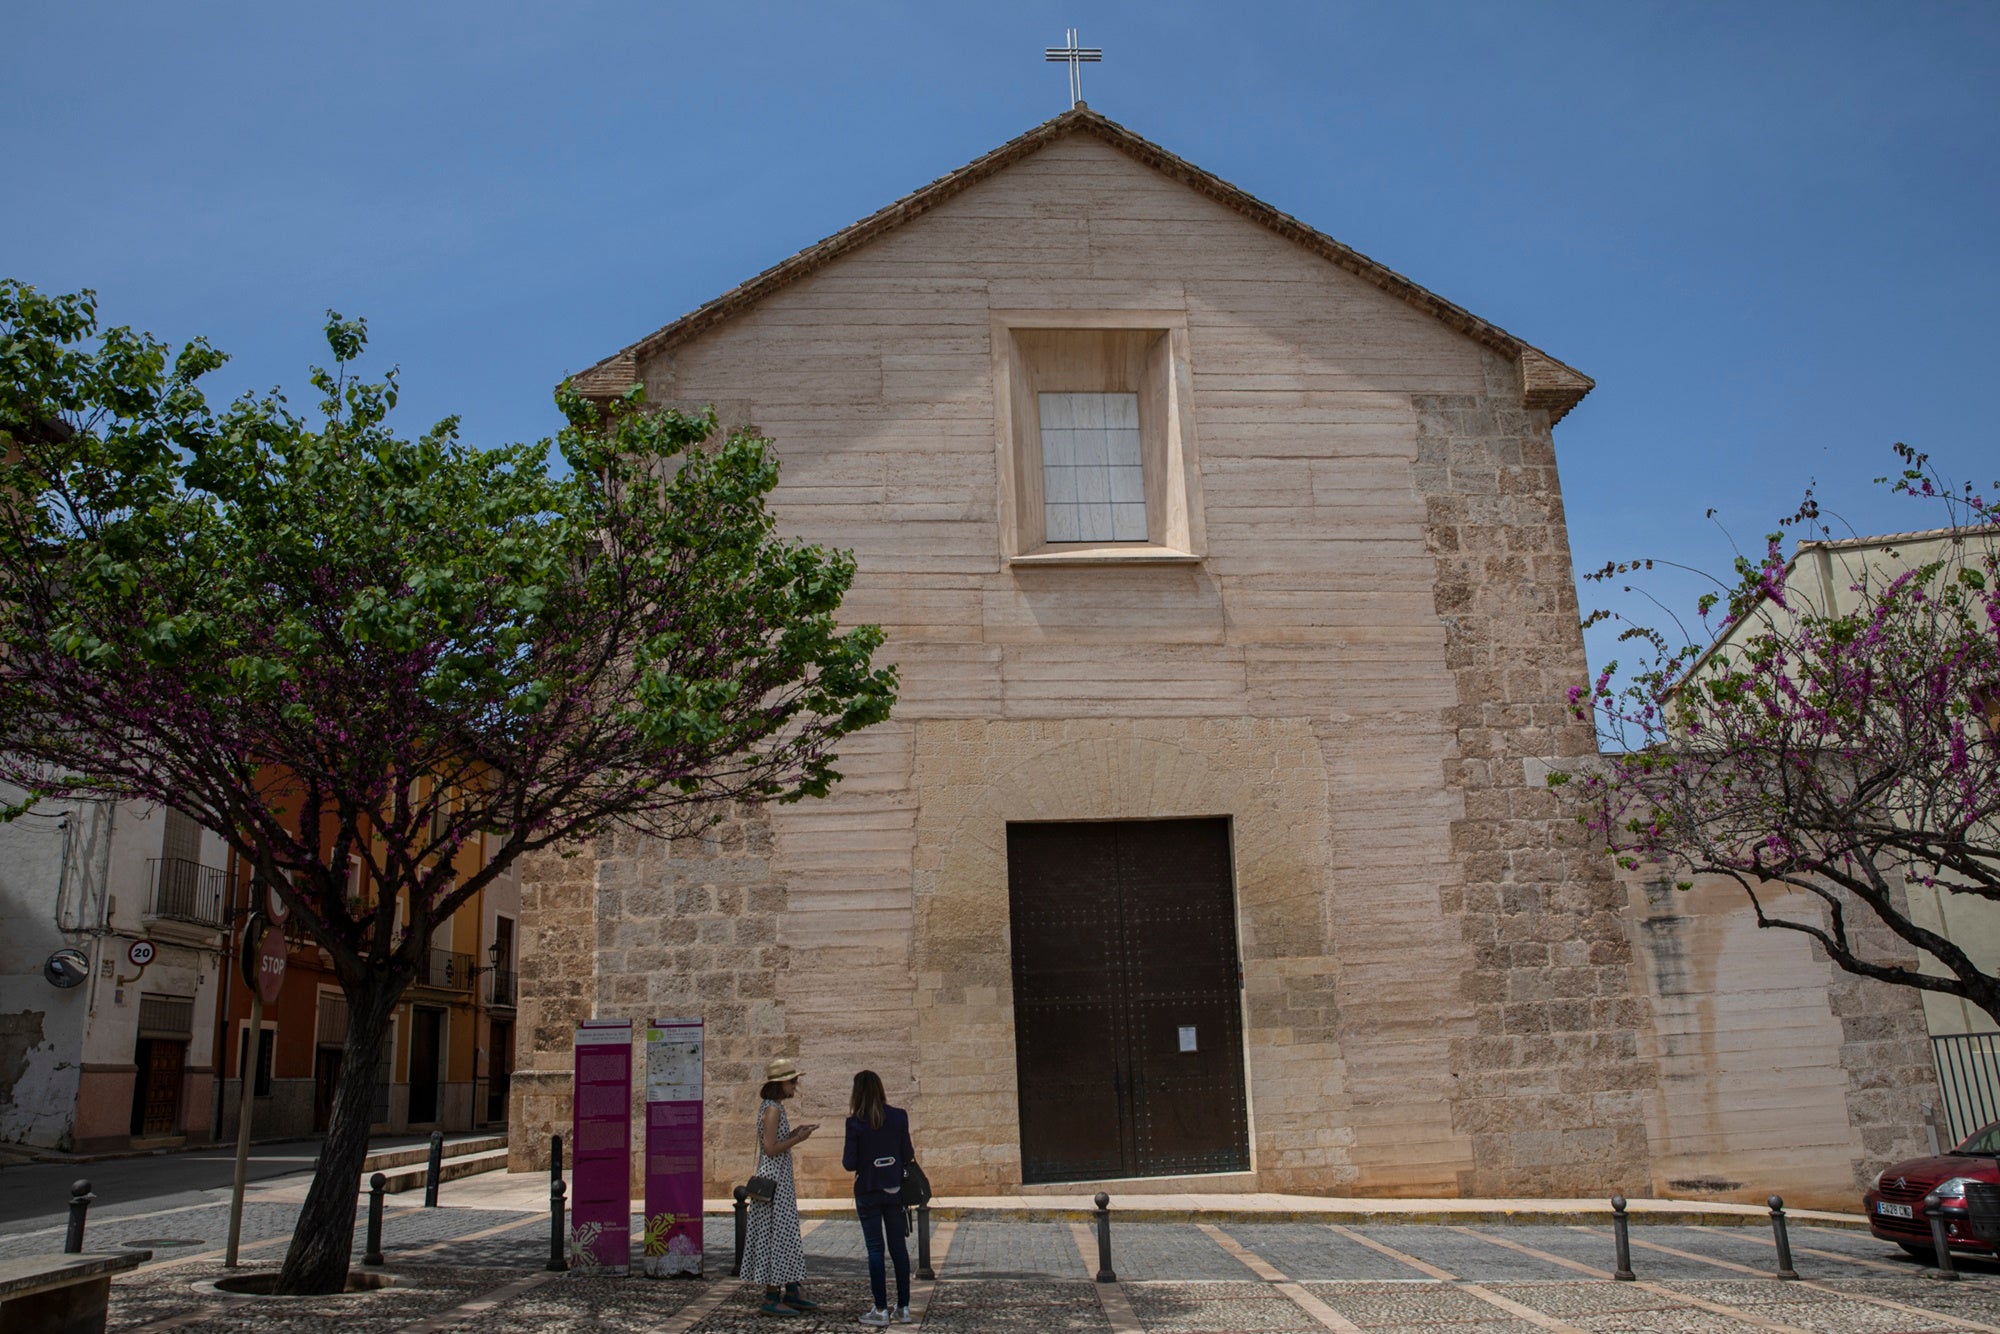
(494, 952)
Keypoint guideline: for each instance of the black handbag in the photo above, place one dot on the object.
(916, 1186)
(761, 1189)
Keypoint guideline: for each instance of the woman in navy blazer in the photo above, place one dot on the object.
(878, 1149)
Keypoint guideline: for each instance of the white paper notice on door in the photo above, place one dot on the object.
(1187, 1037)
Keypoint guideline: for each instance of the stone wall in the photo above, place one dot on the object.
(1778, 1072)
(1552, 1089)
(1364, 666)
(972, 778)
(654, 928)
(1885, 1053)
(556, 977)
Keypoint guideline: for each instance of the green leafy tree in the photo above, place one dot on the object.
(1827, 743)
(324, 641)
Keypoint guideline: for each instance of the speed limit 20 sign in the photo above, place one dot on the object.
(141, 953)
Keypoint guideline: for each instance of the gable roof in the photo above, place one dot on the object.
(1546, 382)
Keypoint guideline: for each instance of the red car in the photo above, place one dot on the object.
(1895, 1207)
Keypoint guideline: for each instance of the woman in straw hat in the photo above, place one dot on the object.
(774, 1254)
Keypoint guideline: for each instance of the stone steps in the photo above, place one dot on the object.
(420, 1153)
(412, 1176)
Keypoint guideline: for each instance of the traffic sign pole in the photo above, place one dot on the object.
(246, 1072)
(244, 1109)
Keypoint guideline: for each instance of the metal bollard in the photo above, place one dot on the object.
(436, 1170)
(558, 1258)
(924, 1270)
(1783, 1237)
(1935, 1213)
(1621, 1236)
(742, 1224)
(378, 1186)
(79, 1204)
(1104, 1274)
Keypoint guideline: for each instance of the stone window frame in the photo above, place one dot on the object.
(1103, 351)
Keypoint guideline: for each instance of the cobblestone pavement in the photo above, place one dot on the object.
(481, 1270)
(984, 1249)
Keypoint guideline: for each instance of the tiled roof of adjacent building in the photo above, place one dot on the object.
(1546, 382)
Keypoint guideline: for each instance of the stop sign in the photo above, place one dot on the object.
(264, 957)
(271, 965)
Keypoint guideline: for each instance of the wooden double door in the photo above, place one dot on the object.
(1128, 1030)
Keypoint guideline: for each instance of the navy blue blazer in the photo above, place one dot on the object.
(877, 1156)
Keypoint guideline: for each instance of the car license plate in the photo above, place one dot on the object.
(1888, 1210)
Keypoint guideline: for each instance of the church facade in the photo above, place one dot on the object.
(1208, 846)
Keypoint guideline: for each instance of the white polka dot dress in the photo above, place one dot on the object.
(773, 1252)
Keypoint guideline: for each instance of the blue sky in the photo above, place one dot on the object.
(1768, 231)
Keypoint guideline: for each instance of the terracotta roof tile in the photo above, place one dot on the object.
(1546, 382)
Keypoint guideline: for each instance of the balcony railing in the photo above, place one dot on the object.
(185, 891)
(499, 986)
(449, 971)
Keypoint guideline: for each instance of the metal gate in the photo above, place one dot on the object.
(1968, 1066)
(1127, 1012)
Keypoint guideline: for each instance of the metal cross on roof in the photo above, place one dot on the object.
(1073, 56)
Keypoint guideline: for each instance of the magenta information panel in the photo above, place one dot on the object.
(673, 1147)
(600, 1211)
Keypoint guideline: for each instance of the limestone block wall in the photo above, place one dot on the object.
(1353, 672)
(1551, 1088)
(1365, 669)
(555, 977)
(1268, 775)
(691, 928)
(1778, 1071)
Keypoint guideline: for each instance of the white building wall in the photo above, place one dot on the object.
(77, 875)
(43, 876)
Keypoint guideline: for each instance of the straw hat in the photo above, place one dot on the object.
(780, 1070)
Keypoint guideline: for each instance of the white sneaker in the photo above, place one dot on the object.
(875, 1318)
(903, 1316)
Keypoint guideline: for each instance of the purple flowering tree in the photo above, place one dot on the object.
(1833, 732)
(326, 642)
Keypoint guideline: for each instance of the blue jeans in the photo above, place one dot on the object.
(882, 1213)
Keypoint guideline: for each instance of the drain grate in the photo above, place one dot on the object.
(158, 1243)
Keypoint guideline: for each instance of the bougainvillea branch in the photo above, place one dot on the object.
(325, 642)
(1837, 734)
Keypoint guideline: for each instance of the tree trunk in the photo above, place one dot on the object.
(323, 1240)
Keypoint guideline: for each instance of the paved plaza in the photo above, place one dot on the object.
(477, 1264)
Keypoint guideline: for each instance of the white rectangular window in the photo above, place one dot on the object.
(1093, 475)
